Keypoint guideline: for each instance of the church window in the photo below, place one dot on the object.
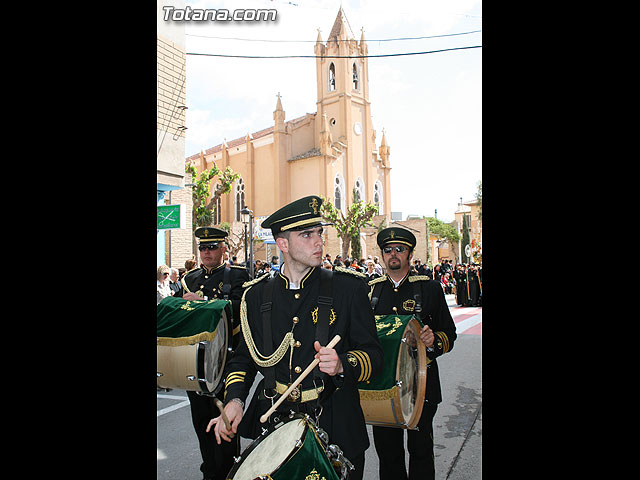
(338, 193)
(332, 77)
(357, 191)
(239, 200)
(377, 196)
(355, 76)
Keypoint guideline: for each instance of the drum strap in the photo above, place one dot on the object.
(267, 339)
(375, 296)
(226, 284)
(417, 296)
(325, 301)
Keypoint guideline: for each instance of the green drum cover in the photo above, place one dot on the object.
(309, 462)
(179, 318)
(390, 330)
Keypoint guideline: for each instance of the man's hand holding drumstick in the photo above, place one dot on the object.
(233, 411)
(328, 362)
(426, 335)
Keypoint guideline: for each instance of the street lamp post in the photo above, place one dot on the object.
(247, 217)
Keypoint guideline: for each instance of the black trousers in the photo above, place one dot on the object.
(389, 443)
(217, 460)
(358, 462)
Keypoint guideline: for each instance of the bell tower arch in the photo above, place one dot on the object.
(342, 73)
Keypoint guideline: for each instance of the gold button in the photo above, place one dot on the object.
(395, 309)
(206, 276)
(297, 369)
(297, 344)
(296, 319)
(395, 289)
(296, 296)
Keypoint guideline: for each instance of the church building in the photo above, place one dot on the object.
(329, 153)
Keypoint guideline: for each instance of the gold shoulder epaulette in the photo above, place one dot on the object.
(417, 278)
(352, 272)
(378, 280)
(254, 281)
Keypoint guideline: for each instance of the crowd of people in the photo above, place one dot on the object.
(462, 280)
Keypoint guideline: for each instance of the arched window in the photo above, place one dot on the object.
(338, 193)
(355, 77)
(239, 191)
(358, 192)
(378, 198)
(332, 77)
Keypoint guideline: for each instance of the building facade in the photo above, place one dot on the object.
(471, 210)
(330, 153)
(173, 245)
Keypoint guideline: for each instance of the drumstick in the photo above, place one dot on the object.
(311, 366)
(224, 415)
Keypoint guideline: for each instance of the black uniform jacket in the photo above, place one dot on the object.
(359, 350)
(435, 313)
(210, 282)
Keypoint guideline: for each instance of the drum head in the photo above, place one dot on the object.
(212, 357)
(269, 451)
(411, 372)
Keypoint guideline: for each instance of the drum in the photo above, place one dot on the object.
(192, 344)
(395, 397)
(293, 447)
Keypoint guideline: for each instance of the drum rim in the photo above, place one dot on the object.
(202, 383)
(269, 430)
(414, 325)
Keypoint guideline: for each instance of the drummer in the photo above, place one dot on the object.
(305, 300)
(404, 293)
(213, 280)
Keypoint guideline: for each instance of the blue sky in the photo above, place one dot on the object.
(430, 106)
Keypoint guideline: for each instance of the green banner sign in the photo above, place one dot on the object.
(170, 216)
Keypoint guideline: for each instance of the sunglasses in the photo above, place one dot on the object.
(207, 247)
(398, 249)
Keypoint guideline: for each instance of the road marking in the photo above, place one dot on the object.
(172, 397)
(456, 311)
(161, 455)
(468, 323)
(184, 403)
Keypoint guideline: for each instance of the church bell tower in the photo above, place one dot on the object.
(343, 97)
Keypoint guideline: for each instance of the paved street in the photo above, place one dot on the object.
(457, 424)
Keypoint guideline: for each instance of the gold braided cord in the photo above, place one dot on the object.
(192, 340)
(287, 342)
(379, 395)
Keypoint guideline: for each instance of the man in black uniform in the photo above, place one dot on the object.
(213, 280)
(304, 306)
(462, 289)
(402, 293)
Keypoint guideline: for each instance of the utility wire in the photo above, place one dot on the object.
(332, 56)
(314, 41)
